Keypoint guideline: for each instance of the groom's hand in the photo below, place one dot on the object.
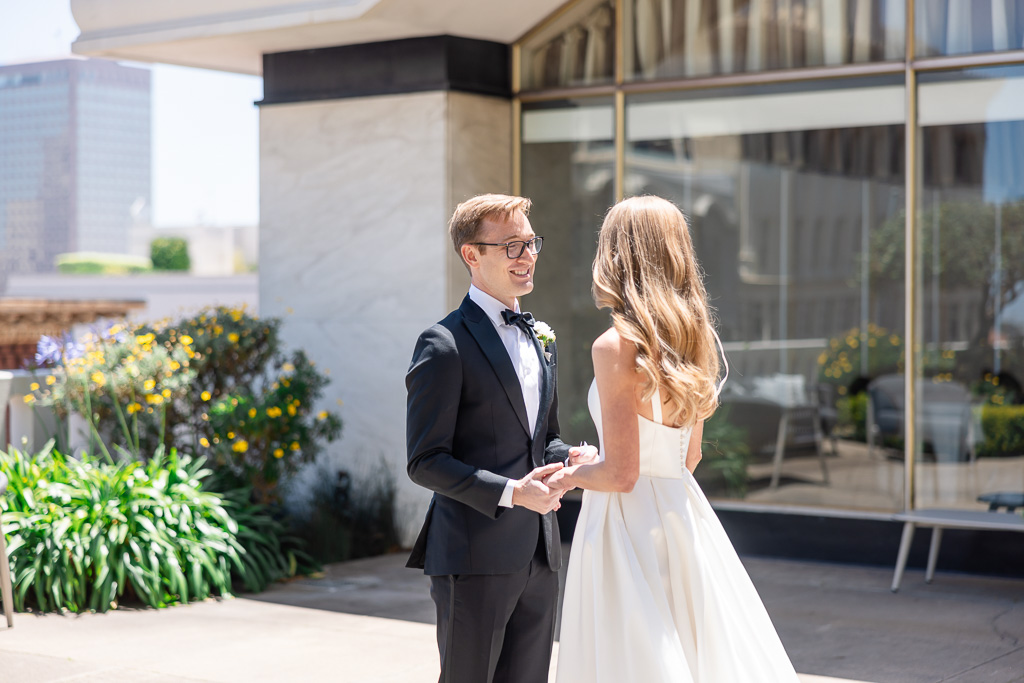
(530, 492)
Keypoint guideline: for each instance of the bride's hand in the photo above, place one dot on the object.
(584, 454)
(560, 480)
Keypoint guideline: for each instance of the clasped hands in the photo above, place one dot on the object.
(542, 489)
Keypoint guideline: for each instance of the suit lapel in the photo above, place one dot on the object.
(482, 329)
(547, 386)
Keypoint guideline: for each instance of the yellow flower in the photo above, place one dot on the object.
(286, 382)
(33, 386)
(278, 453)
(291, 410)
(144, 339)
(273, 411)
(29, 398)
(217, 330)
(166, 393)
(98, 378)
(204, 442)
(155, 399)
(175, 365)
(288, 367)
(322, 415)
(252, 412)
(133, 408)
(231, 435)
(149, 384)
(240, 446)
(50, 380)
(295, 445)
(186, 340)
(233, 337)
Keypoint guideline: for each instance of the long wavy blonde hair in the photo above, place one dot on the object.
(646, 272)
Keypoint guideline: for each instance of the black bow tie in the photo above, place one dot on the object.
(523, 321)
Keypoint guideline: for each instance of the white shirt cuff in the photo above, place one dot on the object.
(506, 496)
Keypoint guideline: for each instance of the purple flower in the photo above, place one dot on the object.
(50, 350)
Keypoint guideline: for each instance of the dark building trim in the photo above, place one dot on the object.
(396, 66)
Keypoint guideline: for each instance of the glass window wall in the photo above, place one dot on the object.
(792, 193)
(795, 190)
(689, 38)
(576, 49)
(956, 27)
(568, 162)
(970, 241)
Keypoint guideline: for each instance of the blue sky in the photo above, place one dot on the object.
(205, 127)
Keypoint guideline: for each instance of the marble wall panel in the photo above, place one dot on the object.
(354, 252)
(479, 162)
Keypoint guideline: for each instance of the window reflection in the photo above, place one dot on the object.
(568, 170)
(971, 236)
(789, 197)
(685, 38)
(952, 27)
(577, 49)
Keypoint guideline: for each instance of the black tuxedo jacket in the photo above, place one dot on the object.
(467, 433)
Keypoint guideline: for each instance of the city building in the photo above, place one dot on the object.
(74, 159)
(853, 171)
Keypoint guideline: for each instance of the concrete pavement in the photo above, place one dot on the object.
(371, 621)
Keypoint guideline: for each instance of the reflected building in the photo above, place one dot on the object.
(74, 159)
(811, 144)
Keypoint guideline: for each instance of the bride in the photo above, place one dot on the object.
(654, 590)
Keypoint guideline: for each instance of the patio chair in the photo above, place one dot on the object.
(946, 421)
(6, 594)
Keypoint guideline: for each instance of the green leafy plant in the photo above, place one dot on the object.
(122, 381)
(851, 418)
(840, 363)
(727, 454)
(348, 521)
(218, 384)
(252, 404)
(86, 534)
(169, 253)
(1003, 430)
(98, 263)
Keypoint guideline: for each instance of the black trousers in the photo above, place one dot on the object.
(498, 628)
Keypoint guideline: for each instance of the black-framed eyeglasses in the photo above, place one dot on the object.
(516, 249)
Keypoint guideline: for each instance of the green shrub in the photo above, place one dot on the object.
(83, 534)
(251, 408)
(727, 454)
(218, 384)
(1003, 429)
(169, 253)
(852, 417)
(347, 521)
(97, 263)
(840, 363)
(123, 381)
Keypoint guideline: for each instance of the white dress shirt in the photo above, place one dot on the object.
(524, 359)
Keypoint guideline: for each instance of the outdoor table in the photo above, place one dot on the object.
(1002, 499)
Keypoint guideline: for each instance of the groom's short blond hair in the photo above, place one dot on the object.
(465, 223)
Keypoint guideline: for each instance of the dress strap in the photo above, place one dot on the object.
(656, 405)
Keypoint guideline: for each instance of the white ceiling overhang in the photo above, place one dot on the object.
(233, 35)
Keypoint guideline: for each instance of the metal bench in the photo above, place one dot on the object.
(939, 519)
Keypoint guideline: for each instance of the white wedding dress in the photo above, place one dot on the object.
(654, 590)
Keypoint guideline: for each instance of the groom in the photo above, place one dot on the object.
(482, 433)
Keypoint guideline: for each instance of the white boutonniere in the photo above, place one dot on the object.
(545, 335)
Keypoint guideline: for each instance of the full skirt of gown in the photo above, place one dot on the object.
(654, 590)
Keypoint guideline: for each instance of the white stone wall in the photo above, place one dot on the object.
(354, 255)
